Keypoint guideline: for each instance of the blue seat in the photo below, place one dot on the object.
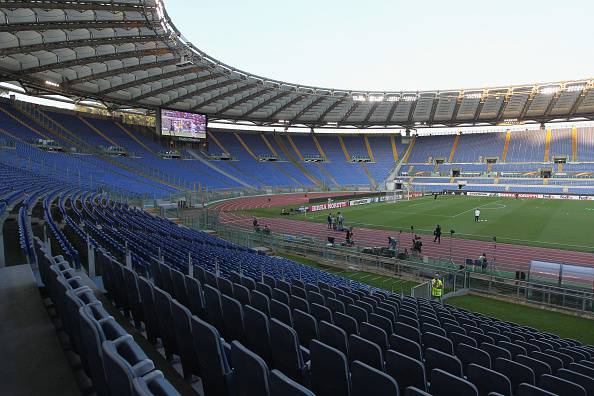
(369, 381)
(213, 307)
(280, 384)
(215, 372)
(124, 360)
(435, 359)
(469, 354)
(280, 295)
(195, 297)
(225, 286)
(315, 298)
(561, 386)
(165, 321)
(261, 301)
(306, 327)
(406, 371)
(131, 282)
(153, 384)
(281, 311)
(406, 347)
(287, 355)
(329, 370)
(539, 367)
(232, 319)
(298, 303)
(251, 372)
(356, 312)
(183, 333)
(335, 305)
(583, 380)
(248, 283)
(179, 287)
(446, 384)
(320, 312)
(166, 278)
(148, 308)
(264, 289)
(381, 322)
(487, 380)
(346, 322)
(257, 332)
(334, 336)
(374, 334)
(438, 342)
(241, 294)
(366, 352)
(298, 292)
(531, 390)
(516, 372)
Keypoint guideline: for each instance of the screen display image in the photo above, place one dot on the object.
(182, 124)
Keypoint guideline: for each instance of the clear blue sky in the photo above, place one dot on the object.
(394, 44)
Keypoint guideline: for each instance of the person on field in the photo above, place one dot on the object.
(477, 215)
(340, 219)
(437, 234)
(329, 221)
(482, 261)
(255, 223)
(436, 288)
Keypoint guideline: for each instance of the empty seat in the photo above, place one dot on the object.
(435, 359)
(495, 351)
(306, 326)
(232, 318)
(260, 301)
(374, 334)
(248, 283)
(298, 292)
(381, 322)
(264, 289)
(148, 308)
(281, 311)
(335, 305)
(487, 380)
(165, 321)
(430, 328)
(369, 381)
(257, 332)
(469, 354)
(213, 307)
(183, 333)
(286, 353)
(334, 336)
(583, 367)
(554, 362)
(153, 384)
(445, 384)
(225, 286)
(513, 349)
(356, 312)
(365, 351)
(315, 298)
(241, 294)
(406, 347)
(195, 297)
(280, 384)
(412, 391)
(565, 358)
(131, 281)
(435, 341)
(407, 331)
(583, 380)
(215, 372)
(320, 312)
(406, 371)
(329, 370)
(124, 360)
(531, 390)
(560, 386)
(299, 303)
(251, 372)
(346, 322)
(516, 372)
(539, 367)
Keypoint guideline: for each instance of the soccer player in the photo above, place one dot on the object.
(477, 215)
(437, 234)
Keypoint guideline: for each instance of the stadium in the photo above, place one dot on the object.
(173, 225)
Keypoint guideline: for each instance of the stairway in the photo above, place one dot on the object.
(398, 165)
(369, 175)
(506, 146)
(328, 175)
(454, 147)
(298, 165)
(547, 149)
(369, 150)
(574, 144)
(133, 137)
(199, 157)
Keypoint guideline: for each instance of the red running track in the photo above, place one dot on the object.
(509, 257)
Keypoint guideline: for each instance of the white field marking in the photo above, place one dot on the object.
(474, 208)
(501, 206)
(364, 277)
(376, 278)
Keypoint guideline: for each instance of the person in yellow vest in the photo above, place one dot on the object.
(436, 288)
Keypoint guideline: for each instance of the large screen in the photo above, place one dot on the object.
(182, 124)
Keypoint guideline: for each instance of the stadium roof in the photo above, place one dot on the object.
(128, 53)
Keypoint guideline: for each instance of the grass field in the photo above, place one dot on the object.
(390, 283)
(567, 326)
(561, 224)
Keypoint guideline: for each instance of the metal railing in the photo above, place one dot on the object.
(495, 283)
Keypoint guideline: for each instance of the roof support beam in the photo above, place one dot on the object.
(72, 25)
(149, 79)
(87, 60)
(391, 112)
(236, 103)
(266, 103)
(353, 107)
(200, 91)
(174, 86)
(223, 94)
(370, 112)
(309, 106)
(122, 70)
(78, 5)
(25, 49)
(297, 99)
(329, 109)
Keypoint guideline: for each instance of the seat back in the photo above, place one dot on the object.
(153, 384)
(366, 352)
(367, 380)
(334, 336)
(487, 380)
(195, 297)
(374, 334)
(183, 333)
(446, 384)
(306, 326)
(469, 354)
(280, 384)
(406, 371)
(406, 346)
(123, 361)
(232, 318)
(257, 332)
(329, 370)
(561, 386)
(251, 372)
(286, 353)
(516, 372)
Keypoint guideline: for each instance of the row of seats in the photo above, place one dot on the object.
(108, 354)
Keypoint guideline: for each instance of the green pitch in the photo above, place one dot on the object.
(560, 224)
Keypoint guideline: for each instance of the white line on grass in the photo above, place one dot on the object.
(474, 208)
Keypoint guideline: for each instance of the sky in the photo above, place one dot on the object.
(393, 45)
